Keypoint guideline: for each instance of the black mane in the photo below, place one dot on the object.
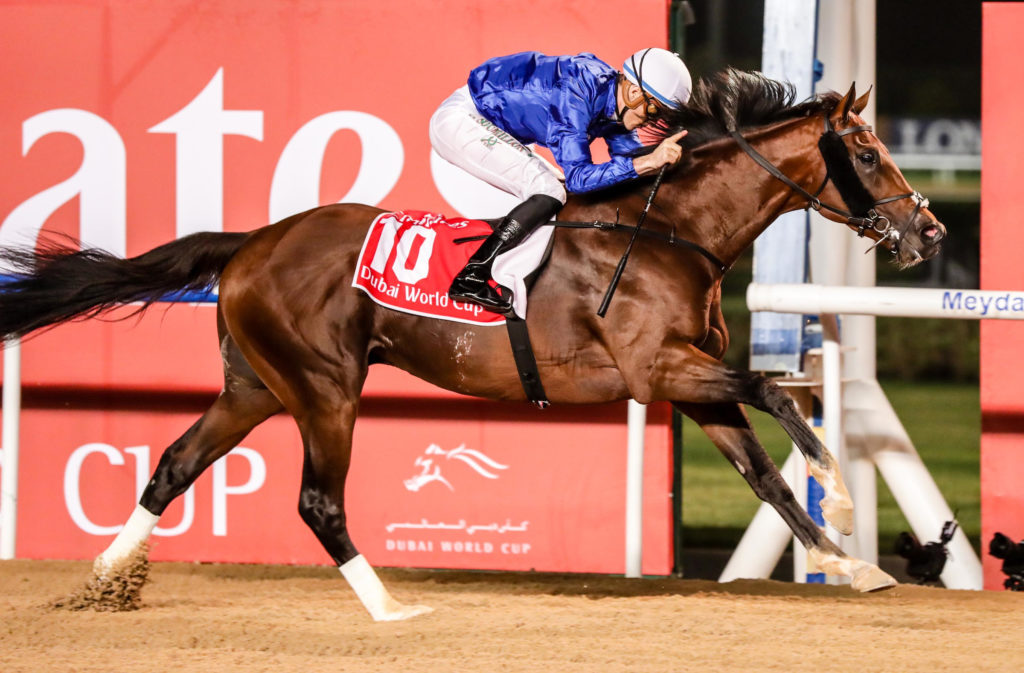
(735, 99)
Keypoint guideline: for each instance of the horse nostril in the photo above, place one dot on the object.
(932, 233)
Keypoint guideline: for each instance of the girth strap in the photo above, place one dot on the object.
(526, 363)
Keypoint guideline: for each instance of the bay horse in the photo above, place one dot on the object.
(294, 335)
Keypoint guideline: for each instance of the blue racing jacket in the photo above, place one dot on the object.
(560, 102)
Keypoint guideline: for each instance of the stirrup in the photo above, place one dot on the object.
(485, 296)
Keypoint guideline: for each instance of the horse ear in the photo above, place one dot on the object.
(846, 104)
(862, 102)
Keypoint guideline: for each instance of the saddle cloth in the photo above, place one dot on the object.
(410, 257)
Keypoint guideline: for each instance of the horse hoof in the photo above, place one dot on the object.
(399, 612)
(869, 577)
(113, 587)
(839, 514)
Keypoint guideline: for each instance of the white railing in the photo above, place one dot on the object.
(895, 457)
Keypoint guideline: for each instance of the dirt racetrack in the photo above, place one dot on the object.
(228, 618)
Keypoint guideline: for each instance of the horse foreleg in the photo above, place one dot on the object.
(327, 438)
(729, 428)
(697, 377)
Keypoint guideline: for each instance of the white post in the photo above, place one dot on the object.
(796, 477)
(915, 490)
(636, 426)
(860, 470)
(874, 429)
(9, 480)
(832, 412)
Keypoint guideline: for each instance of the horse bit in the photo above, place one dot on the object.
(851, 189)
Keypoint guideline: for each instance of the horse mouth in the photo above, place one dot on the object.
(909, 255)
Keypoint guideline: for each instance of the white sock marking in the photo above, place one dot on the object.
(134, 533)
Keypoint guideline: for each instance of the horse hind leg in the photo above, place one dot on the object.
(699, 378)
(728, 427)
(837, 505)
(121, 570)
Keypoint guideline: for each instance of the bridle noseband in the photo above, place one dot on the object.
(862, 213)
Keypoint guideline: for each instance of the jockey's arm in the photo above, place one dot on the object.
(570, 145)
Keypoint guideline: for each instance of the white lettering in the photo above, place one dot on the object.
(221, 490)
(99, 183)
(421, 266)
(72, 495)
(385, 244)
(199, 130)
(296, 183)
(909, 128)
(409, 545)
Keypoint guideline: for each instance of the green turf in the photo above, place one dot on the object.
(943, 420)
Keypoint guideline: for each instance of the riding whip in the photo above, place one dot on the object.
(632, 239)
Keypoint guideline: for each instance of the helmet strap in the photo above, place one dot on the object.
(650, 107)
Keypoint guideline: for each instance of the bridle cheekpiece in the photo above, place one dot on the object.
(861, 208)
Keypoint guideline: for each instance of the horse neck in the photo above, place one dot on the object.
(724, 200)
(732, 200)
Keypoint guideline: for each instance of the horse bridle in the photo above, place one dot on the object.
(862, 213)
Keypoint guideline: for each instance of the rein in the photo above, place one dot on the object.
(839, 169)
(632, 239)
(671, 239)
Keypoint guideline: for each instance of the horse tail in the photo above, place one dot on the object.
(55, 282)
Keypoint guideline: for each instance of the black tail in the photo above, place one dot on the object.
(55, 283)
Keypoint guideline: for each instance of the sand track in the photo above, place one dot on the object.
(228, 618)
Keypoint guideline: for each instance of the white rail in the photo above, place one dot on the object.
(892, 451)
(887, 301)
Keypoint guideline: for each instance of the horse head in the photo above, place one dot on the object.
(818, 153)
(880, 204)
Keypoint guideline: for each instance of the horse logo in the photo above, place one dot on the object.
(431, 469)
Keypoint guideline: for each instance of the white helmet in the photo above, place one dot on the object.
(661, 74)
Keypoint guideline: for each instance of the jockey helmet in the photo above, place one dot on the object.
(661, 74)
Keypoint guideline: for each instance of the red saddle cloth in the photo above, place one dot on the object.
(409, 259)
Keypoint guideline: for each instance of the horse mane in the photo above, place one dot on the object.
(734, 99)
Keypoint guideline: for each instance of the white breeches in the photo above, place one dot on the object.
(462, 136)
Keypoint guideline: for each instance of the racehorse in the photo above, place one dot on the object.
(295, 336)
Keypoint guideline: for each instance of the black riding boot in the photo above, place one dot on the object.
(471, 284)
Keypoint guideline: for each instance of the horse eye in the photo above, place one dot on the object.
(868, 158)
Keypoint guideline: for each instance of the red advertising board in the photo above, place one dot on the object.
(1002, 239)
(135, 123)
(482, 489)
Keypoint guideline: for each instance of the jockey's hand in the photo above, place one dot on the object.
(667, 153)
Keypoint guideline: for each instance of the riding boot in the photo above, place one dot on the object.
(471, 284)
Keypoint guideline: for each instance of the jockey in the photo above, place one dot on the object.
(563, 103)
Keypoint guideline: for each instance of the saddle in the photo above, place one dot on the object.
(408, 261)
